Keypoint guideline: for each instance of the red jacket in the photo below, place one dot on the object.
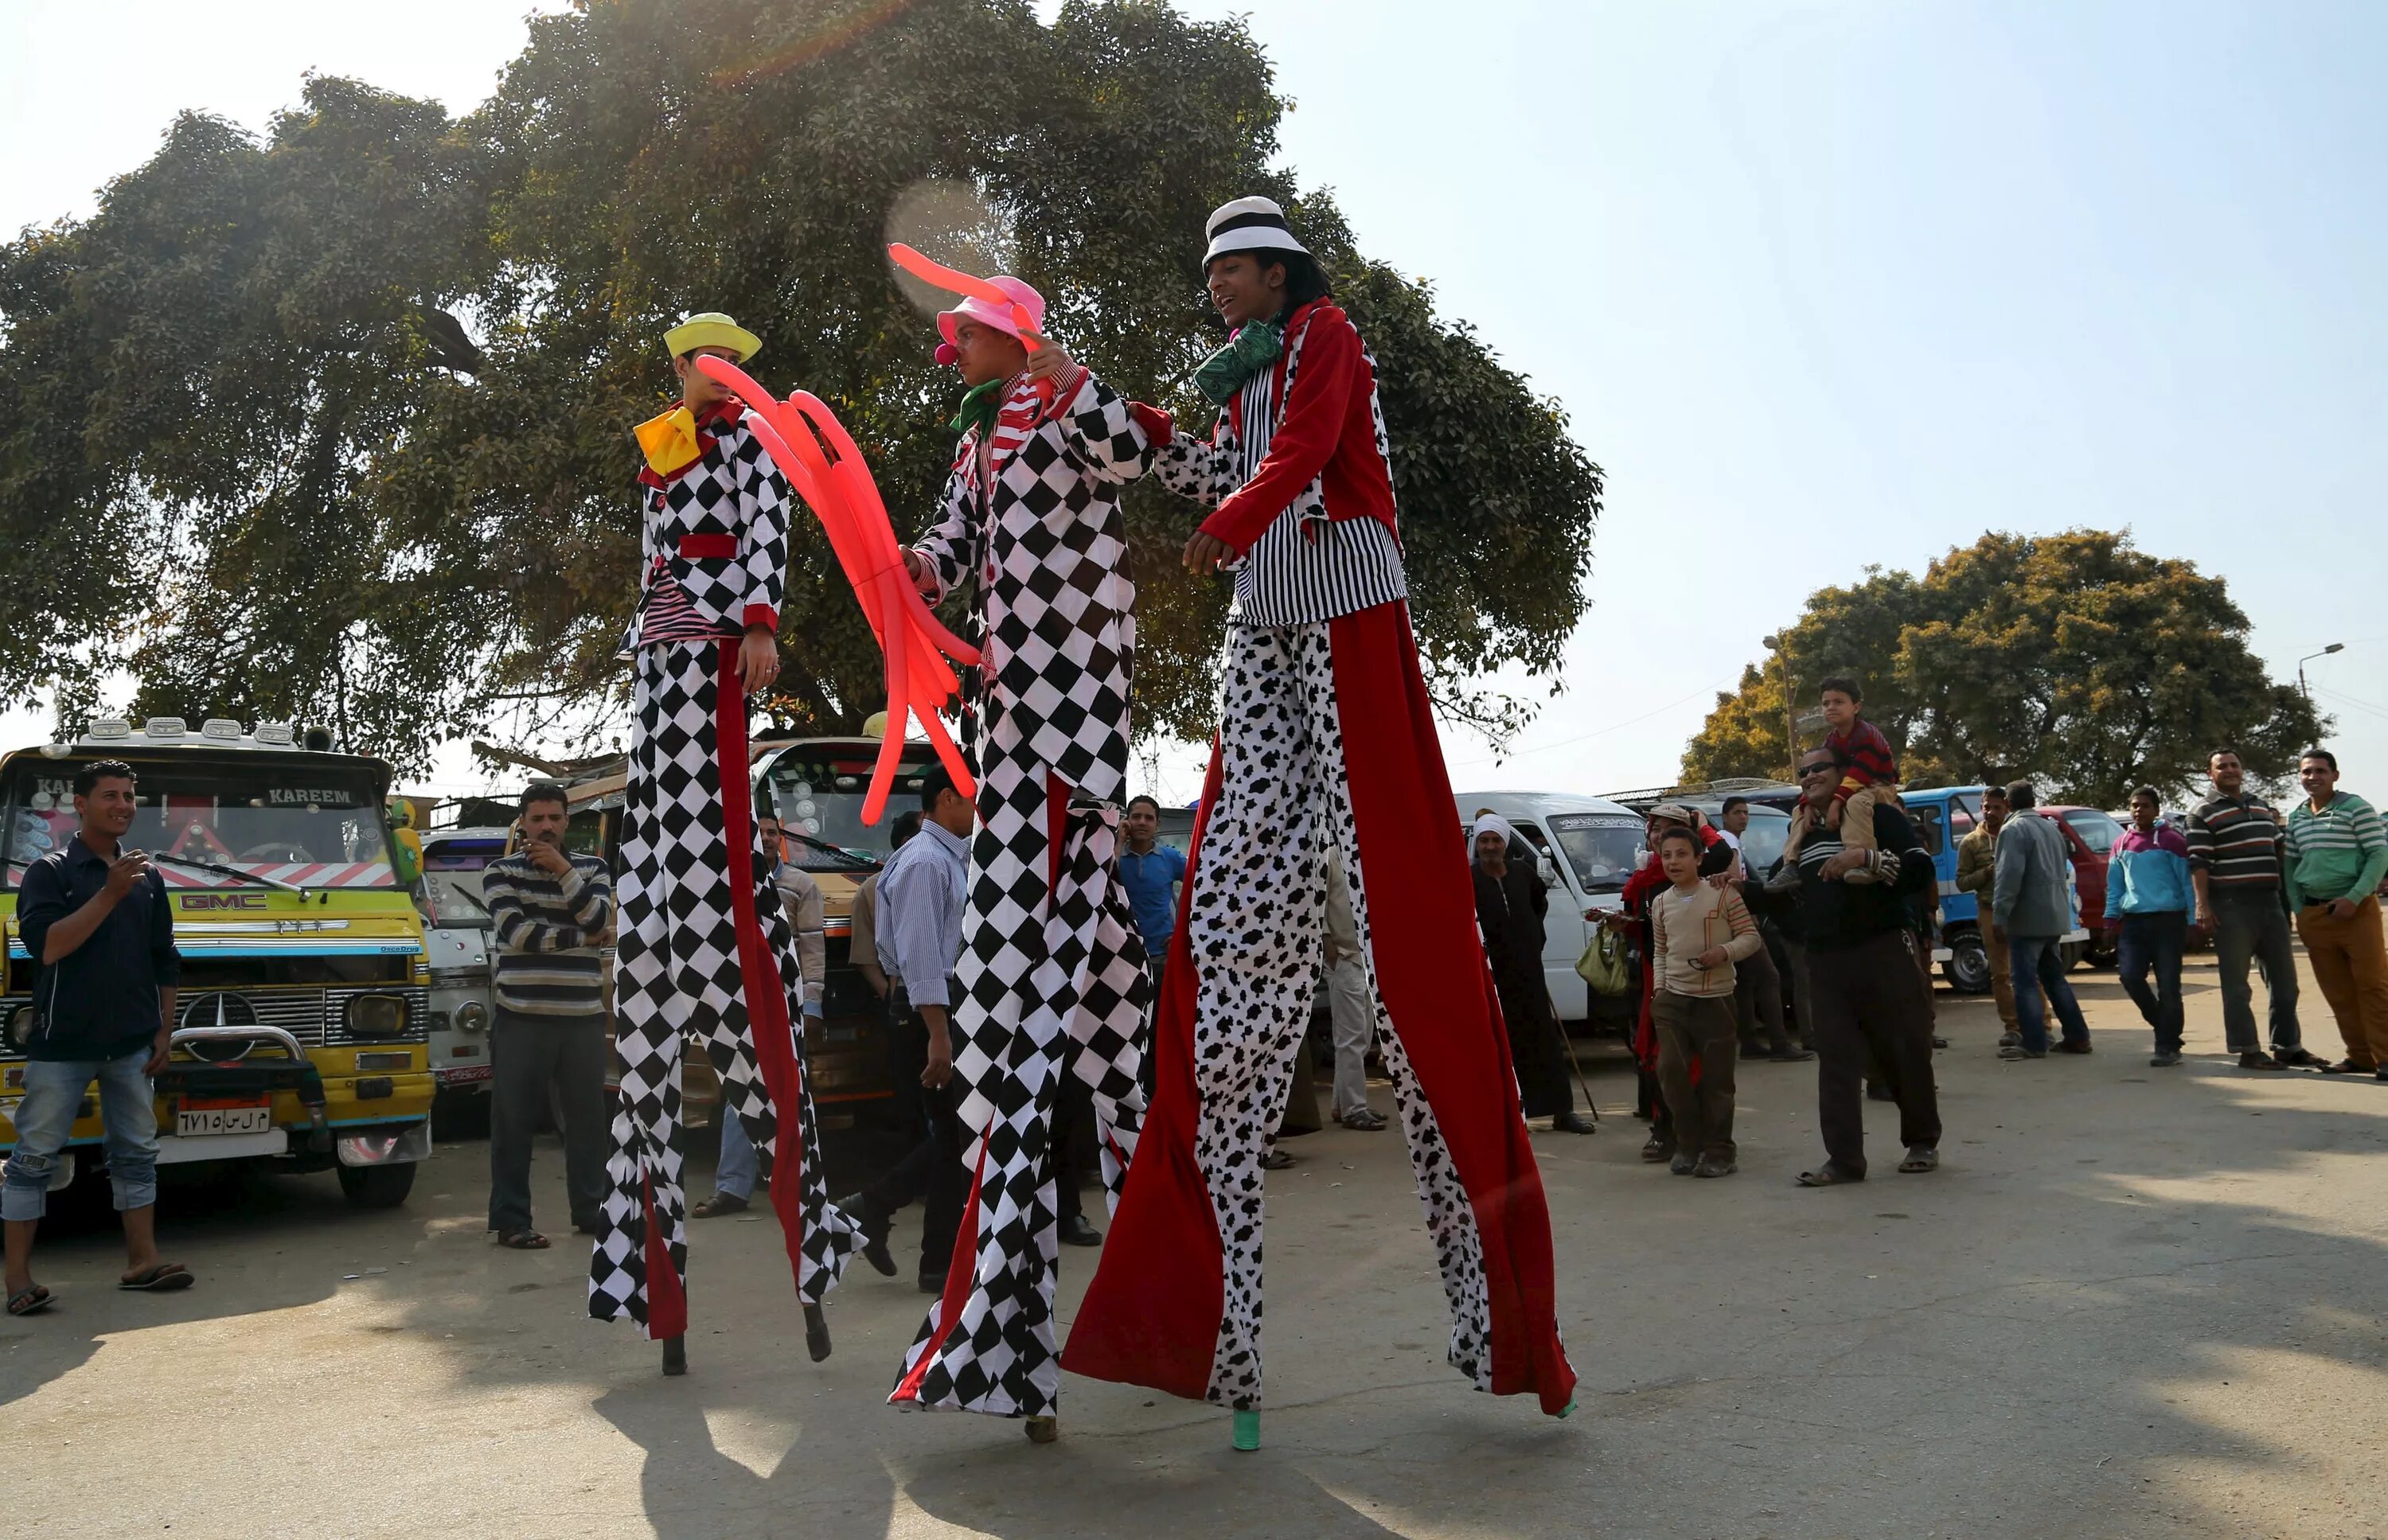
(1327, 432)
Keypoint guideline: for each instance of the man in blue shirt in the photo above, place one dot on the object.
(2150, 897)
(1151, 871)
(94, 917)
(919, 918)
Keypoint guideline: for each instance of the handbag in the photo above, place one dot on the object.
(1603, 966)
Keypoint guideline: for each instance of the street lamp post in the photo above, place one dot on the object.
(2302, 687)
(1773, 643)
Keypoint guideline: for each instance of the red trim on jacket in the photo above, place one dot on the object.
(1324, 432)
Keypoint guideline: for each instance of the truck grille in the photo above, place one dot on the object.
(313, 1017)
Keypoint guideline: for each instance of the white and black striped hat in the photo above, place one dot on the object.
(1248, 224)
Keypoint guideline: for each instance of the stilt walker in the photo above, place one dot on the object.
(1326, 738)
(703, 944)
(1051, 979)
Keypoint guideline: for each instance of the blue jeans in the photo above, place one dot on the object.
(128, 1114)
(2042, 957)
(736, 1173)
(2155, 941)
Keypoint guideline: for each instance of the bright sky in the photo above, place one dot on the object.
(1818, 283)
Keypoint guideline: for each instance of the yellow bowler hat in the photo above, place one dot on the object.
(713, 329)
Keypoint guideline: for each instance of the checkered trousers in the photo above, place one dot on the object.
(1041, 530)
(1054, 983)
(677, 971)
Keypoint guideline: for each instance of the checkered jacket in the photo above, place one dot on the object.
(1039, 528)
(720, 524)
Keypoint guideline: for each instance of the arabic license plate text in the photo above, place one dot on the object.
(207, 1121)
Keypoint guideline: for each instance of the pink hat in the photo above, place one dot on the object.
(997, 317)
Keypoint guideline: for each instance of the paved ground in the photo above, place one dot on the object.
(2135, 1302)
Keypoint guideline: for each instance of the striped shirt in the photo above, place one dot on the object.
(1305, 566)
(546, 926)
(669, 615)
(2339, 851)
(1684, 925)
(2237, 842)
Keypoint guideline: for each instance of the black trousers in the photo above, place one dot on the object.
(527, 1056)
(1871, 1005)
(931, 1174)
(1758, 1001)
(1535, 1050)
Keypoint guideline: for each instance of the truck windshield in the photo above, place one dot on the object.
(1762, 841)
(1604, 848)
(319, 825)
(819, 799)
(452, 901)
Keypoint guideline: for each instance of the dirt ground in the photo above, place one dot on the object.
(2133, 1302)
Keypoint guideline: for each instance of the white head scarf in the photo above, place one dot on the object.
(1490, 823)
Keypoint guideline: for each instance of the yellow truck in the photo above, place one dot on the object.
(302, 1025)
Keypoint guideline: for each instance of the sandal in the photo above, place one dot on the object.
(1827, 1175)
(30, 1300)
(523, 1240)
(1921, 1157)
(719, 1205)
(1276, 1160)
(160, 1278)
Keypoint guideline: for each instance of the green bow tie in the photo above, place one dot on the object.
(979, 408)
(1252, 349)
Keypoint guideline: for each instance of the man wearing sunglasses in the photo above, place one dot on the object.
(1869, 998)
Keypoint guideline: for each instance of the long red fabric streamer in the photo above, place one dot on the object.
(822, 461)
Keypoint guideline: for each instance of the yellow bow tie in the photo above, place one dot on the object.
(669, 440)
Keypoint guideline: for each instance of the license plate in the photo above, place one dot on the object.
(466, 1075)
(207, 1120)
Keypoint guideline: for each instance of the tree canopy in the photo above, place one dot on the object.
(333, 422)
(2077, 658)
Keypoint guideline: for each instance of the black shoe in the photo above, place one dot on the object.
(2298, 1058)
(1714, 1165)
(2010, 1040)
(874, 1228)
(1573, 1122)
(1656, 1150)
(1076, 1231)
(584, 1227)
(1877, 1091)
(932, 1282)
(1682, 1165)
(2255, 1058)
(2380, 1073)
(1792, 1056)
(2020, 1051)
(2166, 1059)
(1940, 1041)
(2072, 1045)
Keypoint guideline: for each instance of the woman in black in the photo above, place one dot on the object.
(1511, 907)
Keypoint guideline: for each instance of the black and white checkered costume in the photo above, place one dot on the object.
(1052, 975)
(694, 953)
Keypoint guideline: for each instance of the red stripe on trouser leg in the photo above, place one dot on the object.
(758, 970)
(667, 1301)
(1150, 1316)
(1438, 988)
(962, 1272)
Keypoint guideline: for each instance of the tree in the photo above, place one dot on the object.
(2074, 657)
(259, 361)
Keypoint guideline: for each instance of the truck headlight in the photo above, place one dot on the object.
(472, 1017)
(376, 1015)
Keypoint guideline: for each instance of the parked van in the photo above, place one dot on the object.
(1589, 847)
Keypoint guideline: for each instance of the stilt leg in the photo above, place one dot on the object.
(675, 1356)
(1248, 1430)
(816, 1333)
(1043, 1429)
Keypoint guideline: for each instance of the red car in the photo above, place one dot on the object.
(2089, 835)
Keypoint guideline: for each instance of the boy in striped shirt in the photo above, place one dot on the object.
(1700, 930)
(549, 910)
(2337, 855)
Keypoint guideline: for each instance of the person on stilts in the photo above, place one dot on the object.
(1326, 739)
(704, 943)
(1051, 981)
